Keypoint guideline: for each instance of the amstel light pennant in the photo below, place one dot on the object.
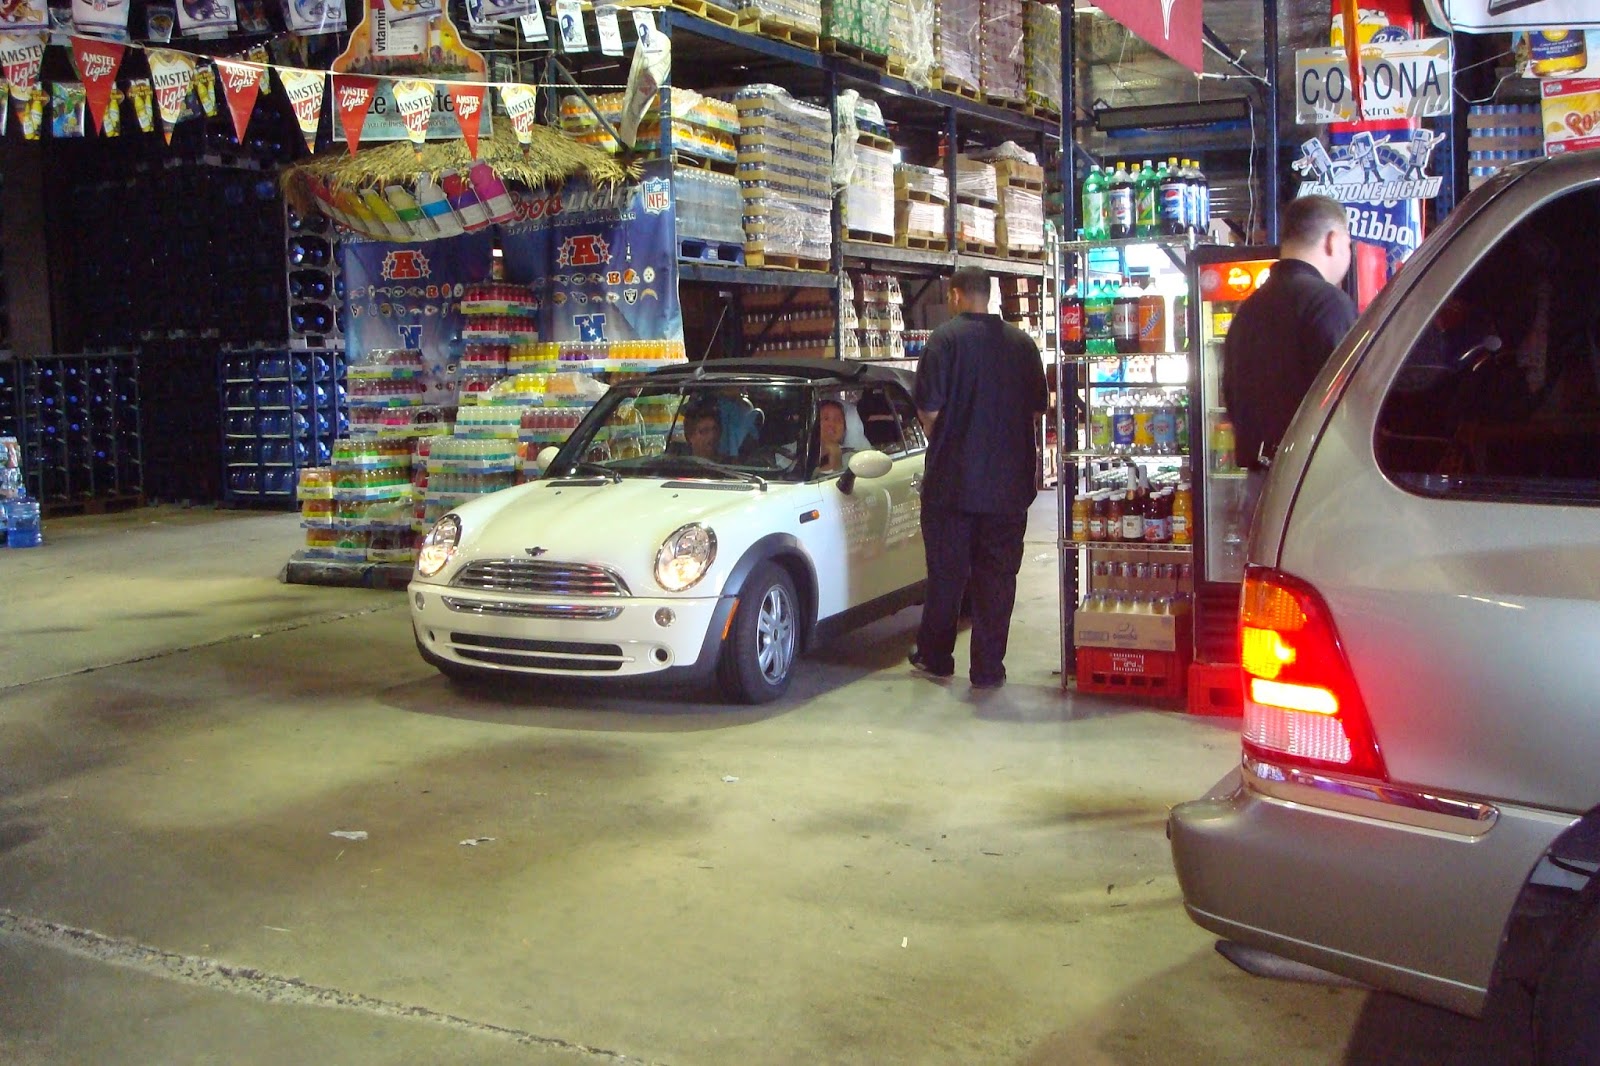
(522, 105)
(97, 63)
(469, 112)
(352, 95)
(171, 73)
(241, 84)
(305, 91)
(414, 98)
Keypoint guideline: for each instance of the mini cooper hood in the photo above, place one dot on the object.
(619, 525)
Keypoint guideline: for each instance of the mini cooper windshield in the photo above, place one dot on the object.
(696, 429)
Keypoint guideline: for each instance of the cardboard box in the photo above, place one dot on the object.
(1133, 632)
(1016, 170)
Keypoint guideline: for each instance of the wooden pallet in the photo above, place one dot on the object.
(920, 196)
(1021, 107)
(956, 86)
(702, 251)
(835, 47)
(778, 30)
(896, 65)
(925, 244)
(682, 158)
(779, 261)
(868, 237)
(872, 140)
(975, 201)
(1025, 183)
(712, 12)
(92, 505)
(974, 248)
(1028, 255)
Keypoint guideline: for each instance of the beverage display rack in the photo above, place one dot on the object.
(79, 424)
(1149, 583)
(282, 410)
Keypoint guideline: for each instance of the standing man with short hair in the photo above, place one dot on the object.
(1284, 333)
(980, 388)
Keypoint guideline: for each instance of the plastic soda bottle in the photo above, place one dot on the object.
(1094, 205)
(1183, 514)
(1119, 204)
(1147, 201)
(1174, 199)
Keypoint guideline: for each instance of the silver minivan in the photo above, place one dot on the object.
(1418, 802)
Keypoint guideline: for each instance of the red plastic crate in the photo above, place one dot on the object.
(1130, 672)
(1214, 689)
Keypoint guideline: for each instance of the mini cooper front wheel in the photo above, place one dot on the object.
(758, 657)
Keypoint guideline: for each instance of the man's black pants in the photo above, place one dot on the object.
(977, 553)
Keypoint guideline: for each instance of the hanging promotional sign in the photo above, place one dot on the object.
(108, 18)
(21, 57)
(241, 84)
(385, 122)
(400, 11)
(414, 97)
(19, 15)
(569, 17)
(314, 16)
(353, 94)
(522, 107)
(469, 113)
(1400, 79)
(305, 89)
(97, 63)
(409, 296)
(171, 74)
(1371, 167)
(606, 260)
(1501, 16)
(206, 18)
(144, 103)
(1172, 27)
(488, 11)
(205, 89)
(605, 21)
(1570, 108)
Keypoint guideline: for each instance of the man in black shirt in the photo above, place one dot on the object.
(1285, 331)
(980, 388)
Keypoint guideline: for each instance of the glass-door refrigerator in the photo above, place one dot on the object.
(1220, 279)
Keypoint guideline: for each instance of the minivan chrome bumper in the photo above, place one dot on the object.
(1372, 799)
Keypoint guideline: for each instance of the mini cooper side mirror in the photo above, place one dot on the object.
(547, 455)
(868, 464)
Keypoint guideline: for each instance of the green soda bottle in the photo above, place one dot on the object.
(1094, 205)
(1147, 201)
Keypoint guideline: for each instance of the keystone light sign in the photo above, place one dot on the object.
(1399, 79)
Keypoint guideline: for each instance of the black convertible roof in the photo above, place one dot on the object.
(844, 371)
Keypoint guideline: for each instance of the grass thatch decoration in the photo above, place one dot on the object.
(551, 158)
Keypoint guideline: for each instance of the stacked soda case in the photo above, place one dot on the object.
(921, 195)
(1042, 56)
(387, 394)
(869, 199)
(803, 15)
(455, 470)
(282, 410)
(360, 508)
(862, 24)
(702, 126)
(785, 157)
(708, 206)
(1002, 71)
(960, 46)
(873, 309)
(1152, 422)
(794, 322)
(499, 320)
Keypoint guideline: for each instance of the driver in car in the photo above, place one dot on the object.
(703, 431)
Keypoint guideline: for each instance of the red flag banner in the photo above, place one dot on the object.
(469, 112)
(414, 98)
(352, 95)
(171, 73)
(1171, 26)
(97, 63)
(305, 91)
(241, 84)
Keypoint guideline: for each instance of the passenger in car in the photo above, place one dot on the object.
(703, 430)
(831, 452)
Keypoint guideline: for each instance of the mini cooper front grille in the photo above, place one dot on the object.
(576, 612)
(540, 578)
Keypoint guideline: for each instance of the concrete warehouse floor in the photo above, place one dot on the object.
(878, 869)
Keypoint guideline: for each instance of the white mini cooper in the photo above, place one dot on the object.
(712, 517)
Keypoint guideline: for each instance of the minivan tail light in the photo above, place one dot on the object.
(1301, 704)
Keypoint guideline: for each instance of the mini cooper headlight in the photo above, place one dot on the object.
(439, 545)
(684, 557)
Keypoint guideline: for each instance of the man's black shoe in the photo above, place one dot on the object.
(920, 667)
(988, 682)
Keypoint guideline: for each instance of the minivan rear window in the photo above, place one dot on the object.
(1499, 399)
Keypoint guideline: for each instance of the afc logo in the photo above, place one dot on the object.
(406, 264)
(585, 249)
